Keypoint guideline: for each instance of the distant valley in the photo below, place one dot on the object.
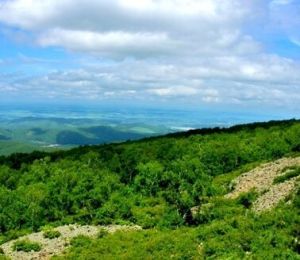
(49, 134)
(27, 128)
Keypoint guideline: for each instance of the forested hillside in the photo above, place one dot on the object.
(172, 186)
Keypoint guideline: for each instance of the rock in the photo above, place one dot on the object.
(261, 180)
(56, 246)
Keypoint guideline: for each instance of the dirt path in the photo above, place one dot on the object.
(261, 179)
(56, 246)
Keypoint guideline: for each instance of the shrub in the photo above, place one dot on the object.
(102, 233)
(247, 199)
(291, 173)
(80, 241)
(51, 234)
(13, 235)
(146, 244)
(26, 246)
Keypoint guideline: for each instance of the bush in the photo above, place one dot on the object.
(146, 244)
(80, 241)
(51, 234)
(102, 233)
(13, 235)
(291, 173)
(26, 246)
(247, 199)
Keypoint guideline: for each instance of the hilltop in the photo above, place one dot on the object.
(229, 193)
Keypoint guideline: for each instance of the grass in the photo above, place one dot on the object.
(51, 234)
(289, 174)
(102, 233)
(13, 234)
(26, 246)
(146, 244)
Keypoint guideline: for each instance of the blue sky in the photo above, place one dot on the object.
(218, 54)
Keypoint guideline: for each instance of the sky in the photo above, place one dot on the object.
(213, 54)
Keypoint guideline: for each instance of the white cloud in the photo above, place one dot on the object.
(188, 7)
(163, 49)
(128, 27)
(174, 91)
(269, 81)
(111, 43)
(117, 14)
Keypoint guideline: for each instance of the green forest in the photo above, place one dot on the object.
(154, 183)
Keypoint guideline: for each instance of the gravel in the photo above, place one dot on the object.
(56, 246)
(261, 180)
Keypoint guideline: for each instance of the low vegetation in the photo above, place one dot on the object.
(229, 232)
(26, 246)
(289, 174)
(51, 234)
(154, 183)
(149, 244)
(102, 233)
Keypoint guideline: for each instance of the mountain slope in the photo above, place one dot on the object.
(154, 183)
(53, 246)
(261, 179)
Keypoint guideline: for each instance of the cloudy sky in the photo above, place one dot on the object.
(242, 54)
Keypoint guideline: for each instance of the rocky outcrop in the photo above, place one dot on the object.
(56, 246)
(261, 179)
(276, 194)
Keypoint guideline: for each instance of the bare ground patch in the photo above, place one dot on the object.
(51, 247)
(262, 179)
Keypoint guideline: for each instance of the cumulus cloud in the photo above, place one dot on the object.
(113, 44)
(160, 49)
(258, 82)
(129, 27)
(174, 91)
(133, 15)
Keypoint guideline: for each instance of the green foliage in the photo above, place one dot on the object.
(223, 183)
(229, 234)
(154, 212)
(149, 177)
(51, 234)
(150, 244)
(2, 256)
(102, 233)
(155, 183)
(289, 174)
(80, 241)
(240, 235)
(26, 246)
(13, 234)
(247, 199)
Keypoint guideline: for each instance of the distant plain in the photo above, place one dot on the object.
(48, 128)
